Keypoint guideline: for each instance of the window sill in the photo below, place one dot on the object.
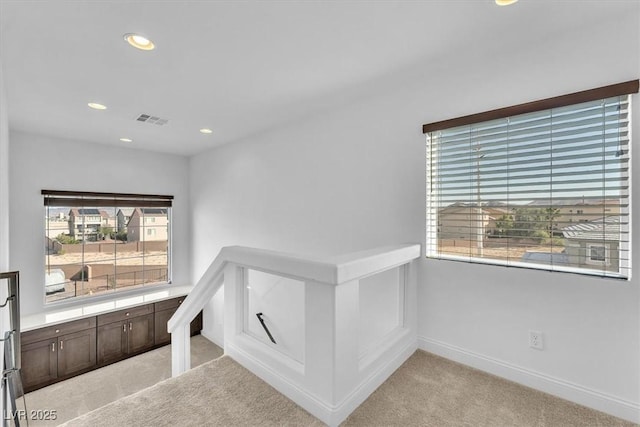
(100, 305)
(530, 266)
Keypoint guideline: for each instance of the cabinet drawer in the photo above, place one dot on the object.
(170, 303)
(57, 330)
(118, 316)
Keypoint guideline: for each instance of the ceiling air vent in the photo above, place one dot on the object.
(148, 118)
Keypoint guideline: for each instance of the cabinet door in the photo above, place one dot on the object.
(162, 336)
(196, 324)
(76, 352)
(39, 363)
(140, 332)
(112, 342)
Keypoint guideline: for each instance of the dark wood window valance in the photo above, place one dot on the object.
(619, 89)
(83, 198)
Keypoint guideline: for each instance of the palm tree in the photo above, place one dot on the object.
(104, 231)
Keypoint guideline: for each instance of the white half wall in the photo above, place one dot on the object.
(354, 178)
(39, 162)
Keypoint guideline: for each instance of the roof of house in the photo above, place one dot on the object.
(84, 211)
(607, 228)
(126, 211)
(491, 211)
(151, 211)
(574, 202)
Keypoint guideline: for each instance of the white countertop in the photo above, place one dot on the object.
(93, 308)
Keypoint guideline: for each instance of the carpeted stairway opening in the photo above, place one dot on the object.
(219, 392)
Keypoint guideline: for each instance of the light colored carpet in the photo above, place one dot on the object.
(220, 392)
(427, 390)
(84, 393)
(431, 391)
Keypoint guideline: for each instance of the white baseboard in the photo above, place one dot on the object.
(558, 387)
(330, 414)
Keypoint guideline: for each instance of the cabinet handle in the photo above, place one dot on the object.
(130, 326)
(53, 347)
(61, 345)
(124, 328)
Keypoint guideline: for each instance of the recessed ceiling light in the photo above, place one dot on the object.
(205, 130)
(126, 139)
(97, 106)
(505, 2)
(139, 42)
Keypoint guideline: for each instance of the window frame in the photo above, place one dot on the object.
(433, 225)
(82, 200)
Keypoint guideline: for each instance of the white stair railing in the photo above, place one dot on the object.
(324, 332)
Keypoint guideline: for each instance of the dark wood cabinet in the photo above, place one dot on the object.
(163, 312)
(39, 363)
(140, 334)
(58, 352)
(162, 336)
(112, 342)
(76, 352)
(124, 333)
(196, 324)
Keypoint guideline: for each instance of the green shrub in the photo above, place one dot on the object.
(66, 239)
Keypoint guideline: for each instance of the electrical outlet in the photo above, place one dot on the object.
(535, 340)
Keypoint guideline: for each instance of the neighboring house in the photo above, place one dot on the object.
(594, 244)
(108, 221)
(148, 225)
(588, 210)
(122, 218)
(54, 226)
(85, 223)
(461, 221)
(571, 211)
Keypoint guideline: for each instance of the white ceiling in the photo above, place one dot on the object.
(239, 67)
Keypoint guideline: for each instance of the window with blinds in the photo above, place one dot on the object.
(98, 243)
(545, 189)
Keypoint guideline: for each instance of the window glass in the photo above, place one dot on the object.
(91, 250)
(547, 189)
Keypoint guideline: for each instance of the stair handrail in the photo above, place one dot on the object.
(210, 281)
(332, 271)
(11, 375)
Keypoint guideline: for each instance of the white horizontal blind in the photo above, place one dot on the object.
(548, 189)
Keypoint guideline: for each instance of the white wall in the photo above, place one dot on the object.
(39, 162)
(354, 179)
(4, 210)
(4, 177)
